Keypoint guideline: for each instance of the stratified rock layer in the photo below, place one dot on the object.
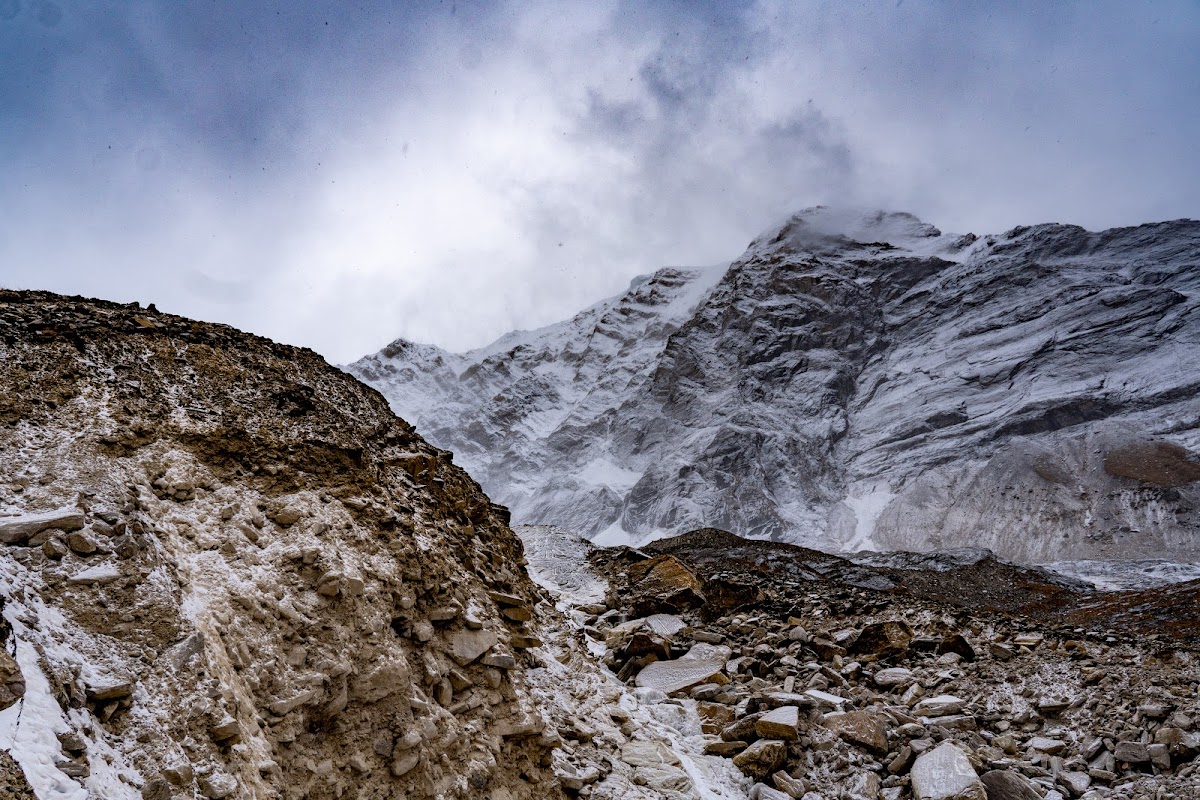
(231, 570)
(854, 379)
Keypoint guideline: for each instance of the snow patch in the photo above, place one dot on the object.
(603, 472)
(866, 508)
(1120, 576)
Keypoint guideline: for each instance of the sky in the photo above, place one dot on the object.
(338, 175)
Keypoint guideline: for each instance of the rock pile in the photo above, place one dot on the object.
(846, 692)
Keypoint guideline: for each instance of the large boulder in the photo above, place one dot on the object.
(944, 773)
(761, 758)
(883, 639)
(1005, 785)
(681, 673)
(662, 584)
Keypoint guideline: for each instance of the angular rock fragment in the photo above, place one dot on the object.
(663, 584)
(18, 530)
(780, 723)
(882, 639)
(864, 728)
(944, 773)
(762, 758)
(1009, 785)
(466, 646)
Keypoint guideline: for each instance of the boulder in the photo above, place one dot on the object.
(959, 645)
(18, 530)
(940, 706)
(663, 584)
(1006, 785)
(12, 682)
(863, 728)
(1132, 752)
(467, 645)
(681, 673)
(665, 624)
(792, 786)
(893, 677)
(883, 639)
(761, 758)
(944, 773)
(779, 723)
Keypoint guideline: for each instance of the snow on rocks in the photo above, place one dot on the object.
(20, 529)
(258, 582)
(1072, 712)
(1019, 392)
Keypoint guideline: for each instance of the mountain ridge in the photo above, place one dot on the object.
(853, 380)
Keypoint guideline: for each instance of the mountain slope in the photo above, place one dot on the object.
(853, 380)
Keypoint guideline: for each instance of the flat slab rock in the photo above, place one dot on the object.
(101, 573)
(466, 645)
(681, 673)
(940, 706)
(780, 723)
(665, 624)
(944, 773)
(16, 530)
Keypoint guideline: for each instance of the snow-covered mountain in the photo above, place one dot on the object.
(854, 380)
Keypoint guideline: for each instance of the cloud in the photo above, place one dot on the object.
(446, 172)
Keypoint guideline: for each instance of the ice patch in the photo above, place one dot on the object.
(613, 536)
(603, 472)
(1122, 576)
(866, 509)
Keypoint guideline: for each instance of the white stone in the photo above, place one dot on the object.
(101, 573)
(944, 773)
(680, 674)
(665, 624)
(709, 652)
(825, 698)
(940, 706)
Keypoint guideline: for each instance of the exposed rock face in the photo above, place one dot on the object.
(853, 379)
(231, 570)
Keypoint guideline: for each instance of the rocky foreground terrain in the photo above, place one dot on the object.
(228, 570)
(853, 380)
(970, 679)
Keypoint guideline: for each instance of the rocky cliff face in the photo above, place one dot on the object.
(853, 380)
(230, 570)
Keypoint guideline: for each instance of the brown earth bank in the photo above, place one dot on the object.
(231, 571)
(960, 677)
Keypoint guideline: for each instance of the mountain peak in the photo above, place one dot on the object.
(856, 379)
(822, 226)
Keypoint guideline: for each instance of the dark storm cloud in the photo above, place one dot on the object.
(340, 174)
